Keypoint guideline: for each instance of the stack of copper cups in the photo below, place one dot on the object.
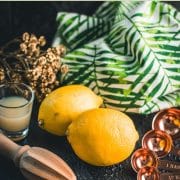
(157, 144)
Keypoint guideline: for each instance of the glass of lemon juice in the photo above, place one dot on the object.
(16, 100)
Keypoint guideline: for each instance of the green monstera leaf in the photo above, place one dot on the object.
(127, 52)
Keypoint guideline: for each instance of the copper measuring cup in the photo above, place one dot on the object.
(151, 173)
(160, 142)
(169, 121)
(145, 157)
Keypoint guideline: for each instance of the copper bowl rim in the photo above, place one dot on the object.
(168, 138)
(153, 154)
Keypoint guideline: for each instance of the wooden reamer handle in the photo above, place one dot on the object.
(11, 150)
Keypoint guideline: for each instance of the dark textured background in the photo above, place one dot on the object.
(39, 18)
(36, 17)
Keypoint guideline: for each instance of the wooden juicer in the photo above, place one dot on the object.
(36, 163)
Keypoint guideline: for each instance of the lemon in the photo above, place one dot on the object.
(102, 137)
(64, 105)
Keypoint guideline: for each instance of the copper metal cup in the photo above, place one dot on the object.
(148, 173)
(160, 142)
(145, 157)
(169, 121)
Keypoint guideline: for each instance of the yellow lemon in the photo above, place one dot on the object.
(64, 105)
(102, 136)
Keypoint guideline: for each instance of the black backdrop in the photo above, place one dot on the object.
(36, 17)
(39, 17)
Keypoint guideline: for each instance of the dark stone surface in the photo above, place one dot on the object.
(61, 147)
(39, 17)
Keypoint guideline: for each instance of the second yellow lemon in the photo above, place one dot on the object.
(64, 105)
(102, 136)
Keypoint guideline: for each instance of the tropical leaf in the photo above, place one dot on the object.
(75, 30)
(132, 62)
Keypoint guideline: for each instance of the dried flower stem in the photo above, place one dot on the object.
(32, 65)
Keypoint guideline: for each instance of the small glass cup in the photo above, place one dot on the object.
(16, 101)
